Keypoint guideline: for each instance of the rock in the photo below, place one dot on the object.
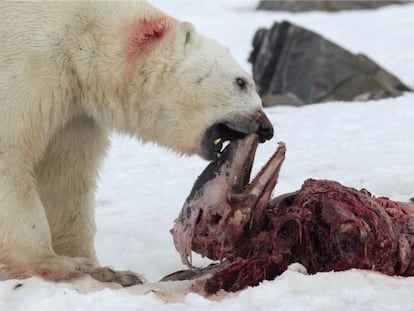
(326, 5)
(295, 66)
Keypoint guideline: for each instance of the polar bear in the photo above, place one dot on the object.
(70, 72)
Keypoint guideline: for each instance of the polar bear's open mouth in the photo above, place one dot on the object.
(234, 128)
(215, 136)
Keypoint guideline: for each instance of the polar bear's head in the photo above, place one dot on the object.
(192, 95)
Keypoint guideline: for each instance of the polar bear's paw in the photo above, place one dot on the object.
(124, 278)
(54, 268)
(59, 268)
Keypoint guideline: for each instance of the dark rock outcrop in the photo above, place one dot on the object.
(292, 65)
(324, 5)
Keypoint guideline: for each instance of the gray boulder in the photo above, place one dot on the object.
(295, 66)
(325, 5)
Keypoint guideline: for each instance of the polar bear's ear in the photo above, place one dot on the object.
(188, 33)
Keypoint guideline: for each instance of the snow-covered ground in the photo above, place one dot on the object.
(143, 187)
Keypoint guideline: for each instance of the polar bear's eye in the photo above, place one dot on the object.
(241, 83)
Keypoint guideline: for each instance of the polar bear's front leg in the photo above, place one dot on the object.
(67, 177)
(25, 239)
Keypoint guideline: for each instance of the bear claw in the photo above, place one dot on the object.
(124, 278)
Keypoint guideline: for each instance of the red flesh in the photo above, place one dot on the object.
(324, 226)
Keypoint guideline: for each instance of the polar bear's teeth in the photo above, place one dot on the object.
(218, 145)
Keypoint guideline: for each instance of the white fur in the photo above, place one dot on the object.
(65, 81)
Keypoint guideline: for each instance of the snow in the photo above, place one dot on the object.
(363, 145)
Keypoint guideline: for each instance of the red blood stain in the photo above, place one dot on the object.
(147, 32)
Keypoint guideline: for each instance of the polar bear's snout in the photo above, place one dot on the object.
(234, 127)
(265, 130)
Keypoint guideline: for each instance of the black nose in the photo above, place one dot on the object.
(265, 130)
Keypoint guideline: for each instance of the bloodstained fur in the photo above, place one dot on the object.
(147, 32)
